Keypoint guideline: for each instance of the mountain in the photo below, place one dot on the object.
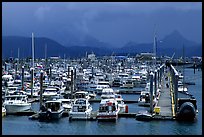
(10, 45)
(171, 43)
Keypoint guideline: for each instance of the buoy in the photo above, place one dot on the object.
(126, 109)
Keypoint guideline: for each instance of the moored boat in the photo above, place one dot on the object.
(108, 110)
(53, 109)
(81, 109)
(16, 103)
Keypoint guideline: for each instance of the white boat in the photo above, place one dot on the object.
(143, 115)
(182, 89)
(36, 92)
(81, 109)
(107, 93)
(16, 103)
(91, 94)
(8, 79)
(128, 83)
(12, 89)
(144, 99)
(123, 107)
(50, 92)
(3, 111)
(81, 94)
(116, 82)
(108, 110)
(66, 103)
(101, 85)
(53, 109)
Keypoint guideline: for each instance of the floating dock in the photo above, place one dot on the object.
(165, 100)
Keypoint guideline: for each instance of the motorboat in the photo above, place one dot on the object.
(108, 110)
(50, 92)
(81, 109)
(7, 80)
(52, 109)
(144, 99)
(143, 115)
(123, 107)
(81, 94)
(36, 92)
(101, 85)
(66, 103)
(16, 103)
(107, 93)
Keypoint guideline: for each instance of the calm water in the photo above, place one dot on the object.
(15, 125)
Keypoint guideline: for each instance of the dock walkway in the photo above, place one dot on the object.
(165, 98)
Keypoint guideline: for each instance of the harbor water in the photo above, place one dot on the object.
(22, 125)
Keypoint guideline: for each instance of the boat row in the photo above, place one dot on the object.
(79, 108)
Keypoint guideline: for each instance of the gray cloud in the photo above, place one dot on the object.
(113, 22)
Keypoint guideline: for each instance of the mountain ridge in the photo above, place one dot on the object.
(167, 46)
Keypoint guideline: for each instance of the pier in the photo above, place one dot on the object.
(165, 99)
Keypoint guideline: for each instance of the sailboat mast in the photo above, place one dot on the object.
(18, 59)
(45, 51)
(155, 47)
(33, 50)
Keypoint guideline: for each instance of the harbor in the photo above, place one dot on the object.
(162, 87)
(34, 127)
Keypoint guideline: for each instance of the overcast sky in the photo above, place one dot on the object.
(114, 22)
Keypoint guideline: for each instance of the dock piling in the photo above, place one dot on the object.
(155, 83)
(151, 92)
(176, 92)
(32, 78)
(22, 80)
(72, 84)
(41, 88)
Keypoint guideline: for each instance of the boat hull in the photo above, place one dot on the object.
(79, 115)
(50, 115)
(14, 108)
(107, 117)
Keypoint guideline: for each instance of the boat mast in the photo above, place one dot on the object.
(155, 47)
(32, 69)
(45, 51)
(33, 50)
(18, 59)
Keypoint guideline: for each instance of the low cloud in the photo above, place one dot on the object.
(41, 12)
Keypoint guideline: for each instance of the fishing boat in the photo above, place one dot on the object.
(108, 110)
(52, 109)
(81, 109)
(16, 103)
